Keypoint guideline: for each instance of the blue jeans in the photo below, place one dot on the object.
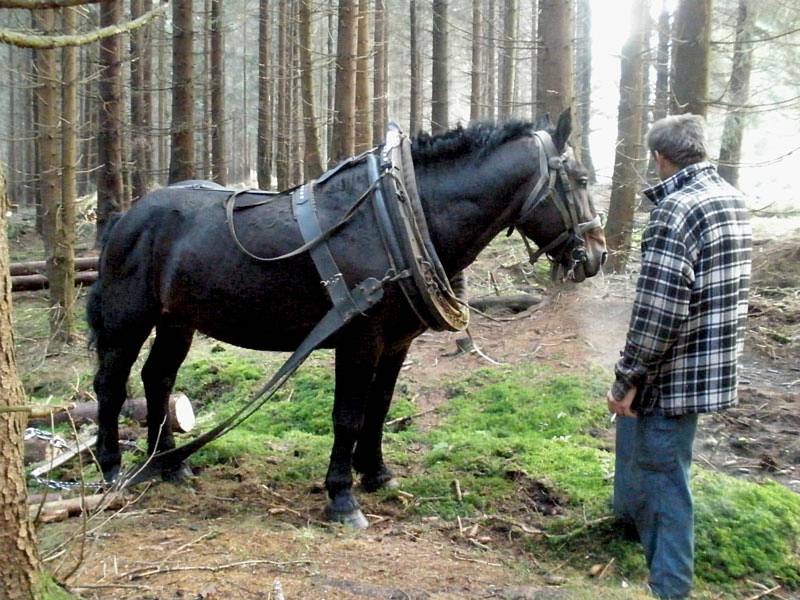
(651, 490)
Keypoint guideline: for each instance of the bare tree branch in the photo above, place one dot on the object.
(42, 42)
(40, 4)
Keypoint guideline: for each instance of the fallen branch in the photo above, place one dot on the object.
(59, 510)
(64, 457)
(215, 569)
(765, 593)
(516, 303)
(29, 283)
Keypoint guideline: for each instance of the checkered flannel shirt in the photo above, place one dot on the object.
(687, 324)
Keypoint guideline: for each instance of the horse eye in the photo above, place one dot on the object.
(584, 182)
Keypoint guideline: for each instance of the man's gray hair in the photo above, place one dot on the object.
(681, 139)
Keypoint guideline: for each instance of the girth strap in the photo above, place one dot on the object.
(304, 208)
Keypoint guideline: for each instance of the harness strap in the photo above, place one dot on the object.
(364, 295)
(304, 208)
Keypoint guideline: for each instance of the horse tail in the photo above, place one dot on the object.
(94, 302)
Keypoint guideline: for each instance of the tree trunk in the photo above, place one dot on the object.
(476, 71)
(284, 110)
(140, 104)
(20, 564)
(181, 161)
(535, 41)
(629, 143)
(490, 99)
(690, 50)
(555, 56)
(12, 145)
(263, 157)
(380, 70)
(312, 162)
(730, 152)
(363, 101)
(440, 104)
(345, 93)
(583, 85)
(110, 192)
(507, 61)
(61, 270)
(218, 167)
(415, 115)
(661, 102)
(331, 79)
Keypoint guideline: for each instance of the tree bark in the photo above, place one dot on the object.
(583, 85)
(345, 93)
(555, 72)
(110, 192)
(263, 154)
(690, 50)
(312, 162)
(363, 101)
(181, 162)
(20, 564)
(415, 113)
(440, 95)
(380, 72)
(219, 172)
(284, 110)
(730, 152)
(61, 271)
(476, 72)
(140, 103)
(629, 143)
(661, 101)
(507, 61)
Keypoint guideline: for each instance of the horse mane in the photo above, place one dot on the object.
(480, 137)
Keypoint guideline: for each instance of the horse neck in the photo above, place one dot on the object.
(468, 201)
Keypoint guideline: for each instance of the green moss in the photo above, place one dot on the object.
(48, 589)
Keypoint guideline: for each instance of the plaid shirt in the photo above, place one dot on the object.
(687, 325)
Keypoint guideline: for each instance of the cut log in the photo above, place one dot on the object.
(37, 498)
(29, 283)
(33, 267)
(59, 510)
(516, 303)
(181, 414)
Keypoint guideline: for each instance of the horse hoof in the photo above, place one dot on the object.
(354, 518)
(110, 475)
(373, 484)
(177, 475)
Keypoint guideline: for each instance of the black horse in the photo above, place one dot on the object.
(170, 263)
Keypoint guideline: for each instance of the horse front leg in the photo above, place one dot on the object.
(355, 369)
(368, 456)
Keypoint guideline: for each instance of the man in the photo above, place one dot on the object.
(685, 335)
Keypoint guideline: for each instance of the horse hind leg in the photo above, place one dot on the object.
(169, 350)
(115, 358)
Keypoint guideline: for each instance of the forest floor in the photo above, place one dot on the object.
(230, 535)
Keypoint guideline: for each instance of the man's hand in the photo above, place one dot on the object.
(622, 408)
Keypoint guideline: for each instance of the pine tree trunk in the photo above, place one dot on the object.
(507, 60)
(331, 79)
(345, 94)
(263, 157)
(218, 167)
(181, 162)
(161, 140)
(440, 105)
(297, 142)
(555, 79)
(730, 152)
(13, 175)
(535, 42)
(284, 109)
(380, 69)
(476, 71)
(363, 101)
(629, 144)
(490, 101)
(415, 115)
(61, 270)
(140, 105)
(661, 102)
(690, 50)
(20, 564)
(312, 162)
(203, 160)
(583, 85)
(110, 192)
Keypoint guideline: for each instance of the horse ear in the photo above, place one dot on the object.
(543, 122)
(563, 129)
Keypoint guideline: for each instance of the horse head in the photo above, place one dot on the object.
(558, 213)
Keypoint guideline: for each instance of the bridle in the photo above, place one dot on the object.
(554, 183)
